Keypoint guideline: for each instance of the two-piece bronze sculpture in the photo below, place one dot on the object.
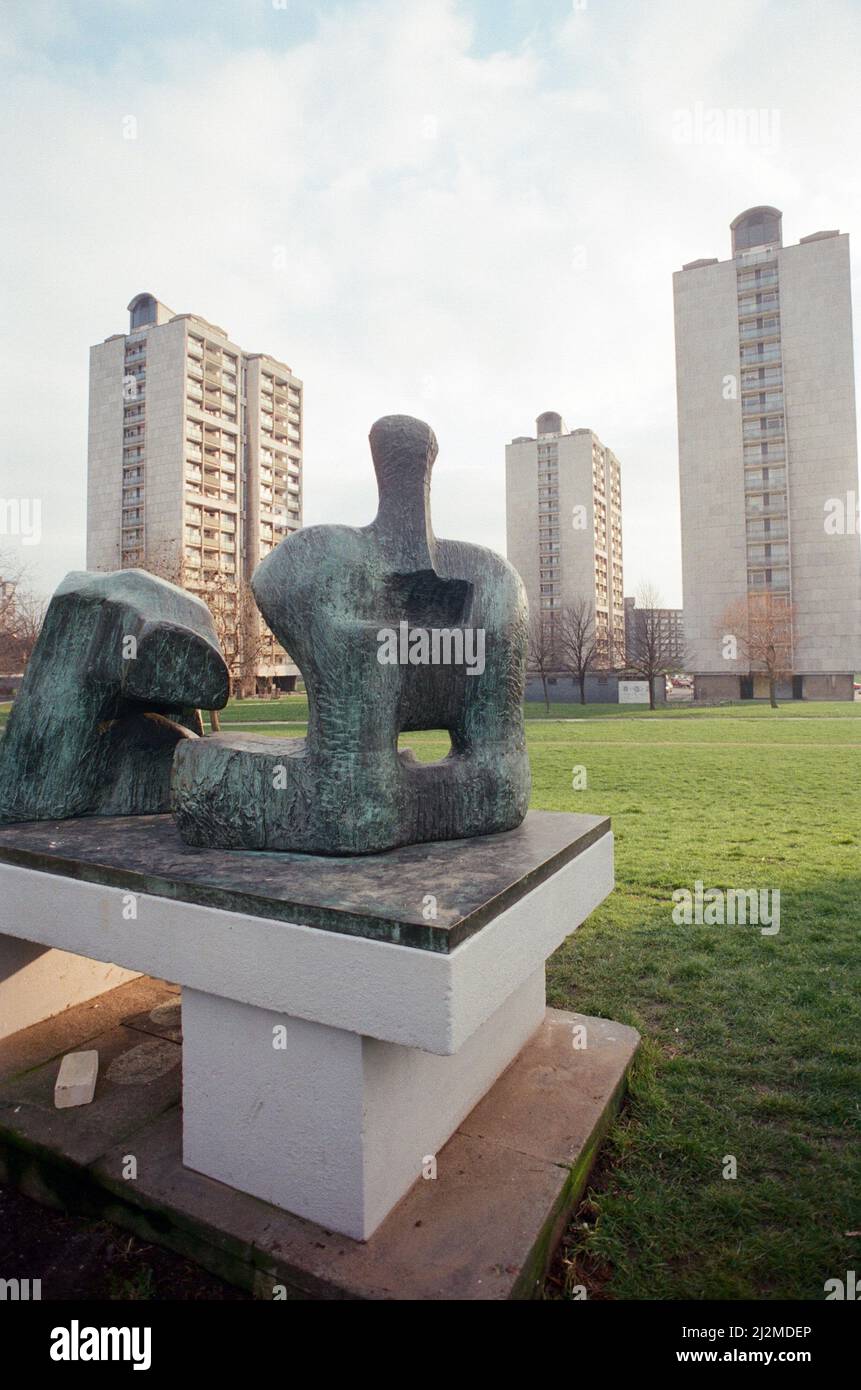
(392, 629)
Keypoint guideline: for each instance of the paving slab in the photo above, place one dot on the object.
(69, 1030)
(162, 1021)
(484, 1228)
(139, 1077)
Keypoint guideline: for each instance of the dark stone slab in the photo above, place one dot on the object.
(382, 897)
(163, 1021)
(484, 1229)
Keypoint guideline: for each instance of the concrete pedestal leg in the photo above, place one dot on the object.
(325, 1123)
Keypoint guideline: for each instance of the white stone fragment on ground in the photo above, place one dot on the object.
(76, 1079)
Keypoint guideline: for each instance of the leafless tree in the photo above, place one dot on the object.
(22, 613)
(245, 639)
(764, 626)
(653, 650)
(579, 646)
(242, 635)
(543, 649)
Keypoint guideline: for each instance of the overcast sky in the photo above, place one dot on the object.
(480, 204)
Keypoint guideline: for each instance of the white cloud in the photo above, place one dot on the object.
(470, 238)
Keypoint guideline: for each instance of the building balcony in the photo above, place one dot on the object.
(754, 381)
(755, 431)
(779, 532)
(765, 354)
(754, 302)
(755, 458)
(747, 331)
(773, 509)
(756, 279)
(752, 405)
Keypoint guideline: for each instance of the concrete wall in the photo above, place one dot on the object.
(819, 386)
(105, 455)
(711, 470)
(165, 446)
(714, 687)
(600, 690)
(828, 687)
(816, 347)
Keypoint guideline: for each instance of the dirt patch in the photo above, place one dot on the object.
(80, 1259)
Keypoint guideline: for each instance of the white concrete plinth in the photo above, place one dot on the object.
(394, 993)
(320, 1070)
(328, 1124)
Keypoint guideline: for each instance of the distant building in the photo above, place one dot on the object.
(194, 464)
(669, 624)
(563, 494)
(768, 452)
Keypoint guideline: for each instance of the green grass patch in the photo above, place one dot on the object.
(752, 1044)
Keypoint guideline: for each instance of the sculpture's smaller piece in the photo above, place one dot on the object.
(123, 663)
(393, 630)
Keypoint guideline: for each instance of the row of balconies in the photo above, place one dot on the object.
(762, 402)
(765, 328)
(761, 353)
(778, 530)
(757, 301)
(756, 507)
(763, 429)
(771, 377)
(769, 578)
(778, 554)
(756, 279)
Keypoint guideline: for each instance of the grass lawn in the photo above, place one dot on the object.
(752, 1043)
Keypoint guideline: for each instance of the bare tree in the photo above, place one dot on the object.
(242, 635)
(543, 649)
(653, 650)
(31, 610)
(764, 628)
(21, 616)
(579, 646)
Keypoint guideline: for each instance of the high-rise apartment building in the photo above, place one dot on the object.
(195, 469)
(563, 493)
(768, 455)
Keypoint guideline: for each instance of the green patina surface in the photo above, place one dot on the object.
(330, 594)
(121, 665)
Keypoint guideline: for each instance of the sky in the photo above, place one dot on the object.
(465, 210)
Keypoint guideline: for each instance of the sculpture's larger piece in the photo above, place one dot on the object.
(122, 664)
(393, 630)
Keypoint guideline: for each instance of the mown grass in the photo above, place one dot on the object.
(294, 708)
(751, 1043)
